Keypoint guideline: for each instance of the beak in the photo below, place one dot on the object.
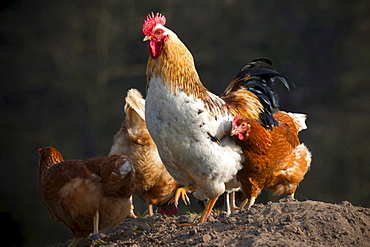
(234, 131)
(148, 37)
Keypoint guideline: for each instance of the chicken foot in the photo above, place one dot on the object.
(182, 192)
(206, 212)
(248, 202)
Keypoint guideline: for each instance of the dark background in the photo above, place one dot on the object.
(66, 67)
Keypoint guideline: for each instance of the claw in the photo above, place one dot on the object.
(98, 242)
(185, 198)
(248, 202)
(182, 192)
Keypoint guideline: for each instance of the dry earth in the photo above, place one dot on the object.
(283, 223)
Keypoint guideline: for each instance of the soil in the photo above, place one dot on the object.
(283, 223)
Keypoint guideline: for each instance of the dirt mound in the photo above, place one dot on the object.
(283, 223)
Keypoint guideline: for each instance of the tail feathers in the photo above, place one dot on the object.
(117, 174)
(136, 102)
(297, 165)
(299, 120)
(258, 77)
(262, 67)
(266, 96)
(258, 74)
(133, 124)
(268, 120)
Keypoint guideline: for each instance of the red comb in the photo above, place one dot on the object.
(236, 119)
(152, 20)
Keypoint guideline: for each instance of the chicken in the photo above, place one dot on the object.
(86, 195)
(189, 124)
(154, 184)
(275, 159)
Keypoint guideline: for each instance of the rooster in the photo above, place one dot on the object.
(86, 195)
(189, 124)
(275, 159)
(154, 184)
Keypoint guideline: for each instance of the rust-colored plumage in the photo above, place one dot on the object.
(275, 159)
(86, 195)
(154, 184)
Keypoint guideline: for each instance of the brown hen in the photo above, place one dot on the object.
(86, 195)
(274, 158)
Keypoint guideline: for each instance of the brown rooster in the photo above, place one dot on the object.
(275, 159)
(154, 184)
(86, 195)
(189, 124)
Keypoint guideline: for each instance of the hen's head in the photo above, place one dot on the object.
(155, 33)
(241, 127)
(51, 153)
(48, 157)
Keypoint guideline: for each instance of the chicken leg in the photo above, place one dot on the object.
(96, 225)
(96, 236)
(230, 202)
(150, 209)
(132, 213)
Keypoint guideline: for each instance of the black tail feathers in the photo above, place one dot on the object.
(258, 76)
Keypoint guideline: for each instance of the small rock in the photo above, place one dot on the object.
(224, 220)
(345, 203)
(211, 218)
(161, 228)
(214, 235)
(207, 238)
(232, 219)
(186, 218)
(143, 227)
(156, 217)
(249, 219)
(193, 231)
(289, 218)
(224, 214)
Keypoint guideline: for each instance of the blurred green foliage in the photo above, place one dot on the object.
(66, 67)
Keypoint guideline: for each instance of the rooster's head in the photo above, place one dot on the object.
(155, 33)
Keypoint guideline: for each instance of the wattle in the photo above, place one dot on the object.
(155, 48)
(241, 136)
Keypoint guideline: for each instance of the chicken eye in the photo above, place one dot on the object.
(158, 32)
